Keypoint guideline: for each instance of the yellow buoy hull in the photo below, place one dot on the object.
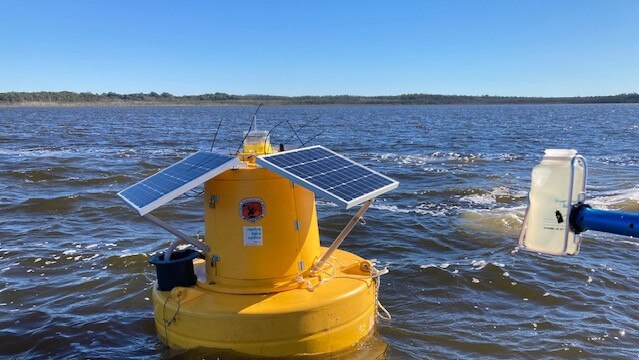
(334, 316)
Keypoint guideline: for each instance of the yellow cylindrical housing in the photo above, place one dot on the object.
(262, 231)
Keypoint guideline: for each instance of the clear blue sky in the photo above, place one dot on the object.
(525, 48)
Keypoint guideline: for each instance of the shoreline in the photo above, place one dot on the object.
(72, 99)
(277, 103)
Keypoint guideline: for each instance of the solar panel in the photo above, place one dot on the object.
(156, 190)
(328, 173)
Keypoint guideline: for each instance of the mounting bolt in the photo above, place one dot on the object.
(214, 260)
(213, 200)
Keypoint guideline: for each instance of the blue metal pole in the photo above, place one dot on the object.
(583, 217)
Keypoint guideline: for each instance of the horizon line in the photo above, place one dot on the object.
(309, 95)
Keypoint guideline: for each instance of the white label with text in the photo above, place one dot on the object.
(253, 236)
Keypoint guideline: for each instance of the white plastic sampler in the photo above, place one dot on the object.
(557, 183)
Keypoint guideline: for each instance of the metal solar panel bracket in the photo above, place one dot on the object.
(342, 235)
(182, 236)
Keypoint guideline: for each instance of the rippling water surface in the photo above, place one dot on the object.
(74, 277)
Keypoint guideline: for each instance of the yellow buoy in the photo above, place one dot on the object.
(334, 316)
(264, 286)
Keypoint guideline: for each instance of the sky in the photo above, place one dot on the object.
(518, 48)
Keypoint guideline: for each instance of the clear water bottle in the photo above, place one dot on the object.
(546, 227)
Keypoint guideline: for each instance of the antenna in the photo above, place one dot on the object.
(216, 131)
(254, 124)
(270, 131)
(309, 140)
(300, 128)
(294, 132)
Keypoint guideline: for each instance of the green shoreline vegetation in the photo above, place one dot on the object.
(67, 98)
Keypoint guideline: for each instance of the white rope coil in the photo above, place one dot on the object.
(382, 313)
(374, 274)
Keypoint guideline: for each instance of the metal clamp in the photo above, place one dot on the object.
(212, 200)
(214, 260)
(581, 197)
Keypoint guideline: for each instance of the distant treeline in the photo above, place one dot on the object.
(67, 98)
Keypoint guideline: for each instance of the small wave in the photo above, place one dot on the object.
(59, 204)
(37, 152)
(441, 156)
(510, 157)
(422, 209)
(633, 243)
(426, 266)
(322, 202)
(618, 159)
(479, 199)
(434, 170)
(132, 261)
(505, 221)
(423, 159)
(627, 200)
(499, 194)
(62, 204)
(35, 175)
(99, 181)
(79, 151)
(474, 264)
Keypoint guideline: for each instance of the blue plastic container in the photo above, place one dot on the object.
(178, 271)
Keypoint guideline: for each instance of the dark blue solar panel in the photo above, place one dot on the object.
(327, 172)
(172, 178)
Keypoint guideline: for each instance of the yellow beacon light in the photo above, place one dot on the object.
(260, 283)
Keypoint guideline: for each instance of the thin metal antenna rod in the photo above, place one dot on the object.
(254, 125)
(342, 235)
(300, 128)
(294, 132)
(311, 139)
(269, 133)
(216, 132)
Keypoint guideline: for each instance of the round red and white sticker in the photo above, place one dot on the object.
(252, 209)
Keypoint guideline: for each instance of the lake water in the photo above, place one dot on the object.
(74, 276)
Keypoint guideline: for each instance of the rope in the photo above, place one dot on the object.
(168, 323)
(309, 285)
(381, 311)
(338, 260)
(375, 275)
